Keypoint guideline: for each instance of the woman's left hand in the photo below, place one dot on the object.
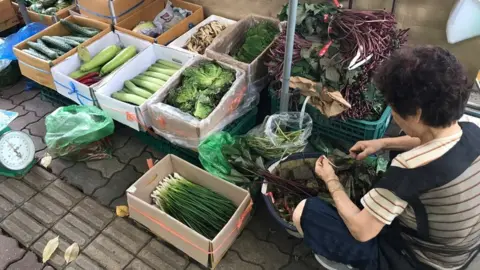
(324, 170)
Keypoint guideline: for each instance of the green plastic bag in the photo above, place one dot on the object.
(211, 156)
(78, 132)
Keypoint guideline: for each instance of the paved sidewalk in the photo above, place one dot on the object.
(77, 200)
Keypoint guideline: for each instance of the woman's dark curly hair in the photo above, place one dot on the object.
(427, 78)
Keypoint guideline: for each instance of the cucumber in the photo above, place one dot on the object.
(169, 64)
(75, 28)
(120, 59)
(70, 42)
(56, 43)
(37, 54)
(150, 79)
(152, 87)
(77, 39)
(101, 58)
(129, 98)
(59, 52)
(43, 49)
(78, 73)
(137, 90)
(165, 71)
(156, 75)
(39, 41)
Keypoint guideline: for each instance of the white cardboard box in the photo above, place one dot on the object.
(181, 41)
(81, 93)
(206, 251)
(133, 116)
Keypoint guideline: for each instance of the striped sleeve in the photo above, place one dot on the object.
(383, 204)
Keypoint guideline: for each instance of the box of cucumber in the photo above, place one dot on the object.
(94, 65)
(39, 53)
(47, 12)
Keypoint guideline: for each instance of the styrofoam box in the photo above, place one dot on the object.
(133, 116)
(79, 92)
(180, 42)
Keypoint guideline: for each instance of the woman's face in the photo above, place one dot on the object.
(410, 125)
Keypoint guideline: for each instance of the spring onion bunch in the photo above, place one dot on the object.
(201, 209)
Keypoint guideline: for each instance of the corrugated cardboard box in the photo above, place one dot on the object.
(8, 16)
(208, 252)
(40, 70)
(110, 11)
(230, 41)
(48, 19)
(149, 12)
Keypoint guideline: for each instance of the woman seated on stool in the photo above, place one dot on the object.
(425, 212)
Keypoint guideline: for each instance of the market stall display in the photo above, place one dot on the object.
(112, 11)
(47, 11)
(162, 21)
(39, 69)
(94, 65)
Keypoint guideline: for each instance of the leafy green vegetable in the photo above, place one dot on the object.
(203, 107)
(257, 39)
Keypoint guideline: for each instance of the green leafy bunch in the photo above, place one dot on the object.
(257, 39)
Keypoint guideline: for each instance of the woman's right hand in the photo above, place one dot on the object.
(363, 149)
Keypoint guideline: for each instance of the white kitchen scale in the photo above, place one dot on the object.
(17, 150)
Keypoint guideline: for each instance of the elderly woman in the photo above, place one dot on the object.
(425, 212)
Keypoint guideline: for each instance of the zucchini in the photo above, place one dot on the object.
(129, 98)
(70, 42)
(165, 71)
(120, 59)
(77, 39)
(75, 28)
(169, 64)
(137, 90)
(156, 75)
(37, 54)
(43, 49)
(78, 73)
(101, 58)
(152, 87)
(56, 43)
(150, 79)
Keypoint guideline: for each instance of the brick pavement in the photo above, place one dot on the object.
(76, 201)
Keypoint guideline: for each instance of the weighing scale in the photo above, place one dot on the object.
(17, 150)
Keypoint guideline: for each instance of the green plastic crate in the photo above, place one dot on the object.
(239, 127)
(347, 130)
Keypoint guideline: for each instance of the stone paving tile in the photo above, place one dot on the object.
(119, 201)
(259, 252)
(6, 104)
(22, 121)
(106, 166)
(159, 256)
(140, 163)
(66, 195)
(121, 135)
(57, 259)
(195, 266)
(83, 263)
(117, 185)
(262, 223)
(6, 207)
(40, 107)
(22, 227)
(9, 251)
(93, 213)
(24, 96)
(48, 267)
(132, 149)
(108, 254)
(127, 235)
(38, 128)
(44, 209)
(29, 261)
(76, 230)
(38, 178)
(296, 265)
(136, 264)
(20, 110)
(13, 90)
(40, 154)
(156, 154)
(284, 241)
(16, 191)
(231, 260)
(2, 178)
(58, 165)
(303, 253)
(37, 141)
(86, 179)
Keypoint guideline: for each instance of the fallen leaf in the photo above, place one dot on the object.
(71, 253)
(49, 249)
(122, 211)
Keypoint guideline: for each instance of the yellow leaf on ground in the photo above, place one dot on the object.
(49, 249)
(71, 253)
(122, 211)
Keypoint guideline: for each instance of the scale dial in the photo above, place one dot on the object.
(16, 150)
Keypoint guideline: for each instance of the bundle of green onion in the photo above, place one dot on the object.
(201, 209)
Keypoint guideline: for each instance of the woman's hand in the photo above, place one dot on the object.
(324, 170)
(363, 149)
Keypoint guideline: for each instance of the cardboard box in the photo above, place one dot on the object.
(40, 70)
(9, 23)
(149, 12)
(6, 10)
(229, 42)
(478, 79)
(110, 11)
(184, 129)
(48, 19)
(205, 251)
(180, 43)
(133, 116)
(81, 93)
